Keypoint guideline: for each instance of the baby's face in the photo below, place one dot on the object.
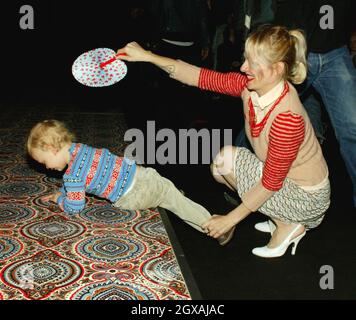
(52, 158)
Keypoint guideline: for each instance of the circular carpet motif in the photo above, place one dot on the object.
(9, 247)
(152, 228)
(51, 180)
(37, 201)
(165, 271)
(42, 274)
(3, 177)
(107, 214)
(53, 230)
(114, 291)
(15, 213)
(111, 249)
(162, 269)
(22, 170)
(20, 189)
(6, 159)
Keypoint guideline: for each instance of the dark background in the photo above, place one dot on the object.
(36, 72)
(36, 64)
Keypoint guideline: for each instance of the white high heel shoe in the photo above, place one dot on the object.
(279, 251)
(267, 226)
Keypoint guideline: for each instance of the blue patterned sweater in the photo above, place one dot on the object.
(95, 171)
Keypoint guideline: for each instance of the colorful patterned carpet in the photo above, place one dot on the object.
(103, 253)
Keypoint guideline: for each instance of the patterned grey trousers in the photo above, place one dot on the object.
(291, 203)
(151, 190)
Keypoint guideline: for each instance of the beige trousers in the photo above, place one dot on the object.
(151, 190)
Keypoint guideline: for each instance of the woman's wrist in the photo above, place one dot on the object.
(166, 64)
(155, 58)
(150, 56)
(239, 213)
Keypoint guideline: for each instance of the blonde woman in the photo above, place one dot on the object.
(286, 178)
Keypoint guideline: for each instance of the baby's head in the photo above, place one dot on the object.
(274, 53)
(48, 143)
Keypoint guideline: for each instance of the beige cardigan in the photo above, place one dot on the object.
(308, 169)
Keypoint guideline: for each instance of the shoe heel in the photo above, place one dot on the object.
(295, 243)
(266, 252)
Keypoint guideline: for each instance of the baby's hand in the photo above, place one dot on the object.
(51, 197)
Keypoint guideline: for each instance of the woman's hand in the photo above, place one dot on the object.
(218, 225)
(51, 197)
(133, 52)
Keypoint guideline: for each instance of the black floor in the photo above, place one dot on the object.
(325, 256)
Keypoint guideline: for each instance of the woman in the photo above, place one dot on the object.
(286, 178)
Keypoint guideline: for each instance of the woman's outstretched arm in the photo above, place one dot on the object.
(231, 83)
(176, 69)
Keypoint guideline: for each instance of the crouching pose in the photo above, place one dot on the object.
(286, 177)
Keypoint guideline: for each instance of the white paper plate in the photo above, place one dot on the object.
(86, 68)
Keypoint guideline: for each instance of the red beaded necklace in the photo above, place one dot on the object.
(256, 128)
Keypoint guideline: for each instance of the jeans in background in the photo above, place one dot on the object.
(333, 76)
(313, 105)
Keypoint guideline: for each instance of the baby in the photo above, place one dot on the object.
(99, 172)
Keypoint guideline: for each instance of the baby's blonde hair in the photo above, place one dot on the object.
(49, 133)
(274, 44)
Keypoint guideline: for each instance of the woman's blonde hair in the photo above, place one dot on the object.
(49, 133)
(274, 44)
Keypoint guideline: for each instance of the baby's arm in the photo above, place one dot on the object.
(73, 200)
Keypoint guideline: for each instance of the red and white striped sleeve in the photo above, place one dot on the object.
(285, 138)
(231, 83)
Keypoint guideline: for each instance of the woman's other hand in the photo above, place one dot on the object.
(217, 225)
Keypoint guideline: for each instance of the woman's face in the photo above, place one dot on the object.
(261, 78)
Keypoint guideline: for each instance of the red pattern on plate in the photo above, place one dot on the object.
(86, 68)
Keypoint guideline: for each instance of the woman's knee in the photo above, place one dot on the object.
(214, 172)
(224, 161)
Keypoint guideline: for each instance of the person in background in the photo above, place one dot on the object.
(229, 51)
(328, 25)
(180, 29)
(220, 14)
